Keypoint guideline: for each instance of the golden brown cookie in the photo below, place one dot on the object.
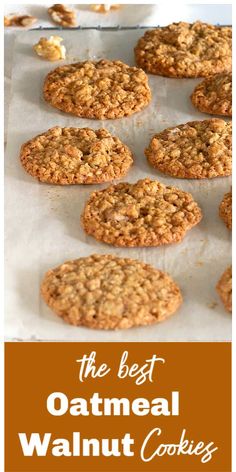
(185, 50)
(146, 213)
(225, 209)
(224, 288)
(214, 95)
(100, 90)
(76, 156)
(195, 150)
(108, 292)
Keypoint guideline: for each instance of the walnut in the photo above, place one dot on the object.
(104, 8)
(19, 20)
(50, 49)
(7, 21)
(62, 15)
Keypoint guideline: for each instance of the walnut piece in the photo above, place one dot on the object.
(21, 20)
(7, 21)
(51, 48)
(62, 15)
(104, 8)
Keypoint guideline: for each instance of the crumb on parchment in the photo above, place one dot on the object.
(212, 305)
(199, 263)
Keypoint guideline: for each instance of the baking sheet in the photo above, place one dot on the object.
(42, 221)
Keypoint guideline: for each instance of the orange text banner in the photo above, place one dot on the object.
(118, 407)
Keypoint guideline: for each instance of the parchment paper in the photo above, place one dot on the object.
(42, 221)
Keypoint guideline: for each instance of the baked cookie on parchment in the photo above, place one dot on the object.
(225, 210)
(194, 150)
(224, 288)
(76, 156)
(100, 90)
(185, 50)
(108, 292)
(214, 95)
(146, 213)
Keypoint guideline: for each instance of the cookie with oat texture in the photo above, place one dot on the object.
(224, 288)
(146, 213)
(214, 95)
(194, 150)
(100, 90)
(76, 156)
(185, 50)
(225, 210)
(108, 292)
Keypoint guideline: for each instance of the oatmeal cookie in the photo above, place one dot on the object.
(214, 95)
(107, 292)
(185, 50)
(76, 156)
(146, 213)
(195, 150)
(225, 209)
(224, 288)
(100, 90)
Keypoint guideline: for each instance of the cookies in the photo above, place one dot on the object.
(108, 292)
(76, 156)
(214, 95)
(100, 90)
(186, 50)
(146, 213)
(225, 210)
(195, 150)
(224, 288)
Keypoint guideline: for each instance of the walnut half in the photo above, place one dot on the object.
(62, 15)
(50, 48)
(104, 8)
(19, 20)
